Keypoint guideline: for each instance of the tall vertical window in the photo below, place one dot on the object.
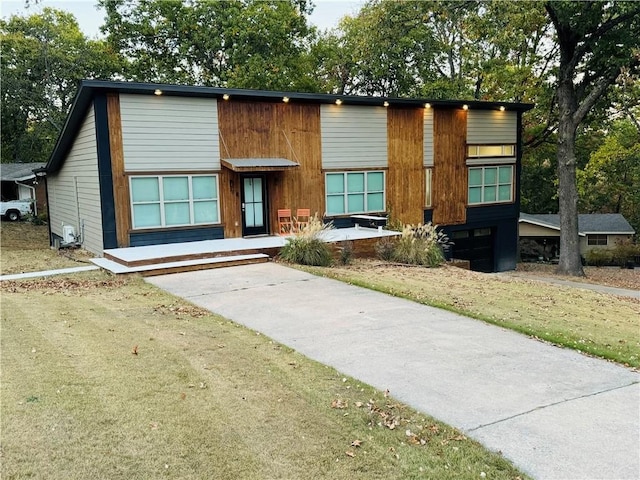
(490, 184)
(174, 200)
(354, 192)
(428, 173)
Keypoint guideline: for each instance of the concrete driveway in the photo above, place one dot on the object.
(555, 413)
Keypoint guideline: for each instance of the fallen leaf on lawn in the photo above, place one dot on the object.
(356, 443)
(134, 350)
(338, 403)
(350, 454)
(358, 404)
(183, 395)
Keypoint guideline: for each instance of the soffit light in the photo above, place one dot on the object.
(427, 105)
(157, 92)
(225, 96)
(386, 104)
(465, 107)
(338, 101)
(285, 99)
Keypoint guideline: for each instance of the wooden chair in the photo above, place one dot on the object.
(302, 218)
(285, 222)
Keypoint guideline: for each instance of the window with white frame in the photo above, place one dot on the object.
(491, 150)
(428, 174)
(174, 200)
(490, 184)
(354, 192)
(597, 239)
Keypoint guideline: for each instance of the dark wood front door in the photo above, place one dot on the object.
(254, 205)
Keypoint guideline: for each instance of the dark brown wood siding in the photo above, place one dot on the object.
(405, 177)
(120, 180)
(449, 183)
(266, 129)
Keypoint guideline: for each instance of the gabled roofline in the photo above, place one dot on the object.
(550, 226)
(88, 89)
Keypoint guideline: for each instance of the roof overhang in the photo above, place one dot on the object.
(610, 233)
(550, 226)
(258, 164)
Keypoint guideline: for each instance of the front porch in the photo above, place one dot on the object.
(179, 257)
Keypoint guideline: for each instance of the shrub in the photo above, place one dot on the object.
(384, 248)
(625, 252)
(421, 245)
(598, 257)
(346, 252)
(307, 246)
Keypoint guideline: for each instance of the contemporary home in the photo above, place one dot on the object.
(596, 230)
(146, 164)
(18, 182)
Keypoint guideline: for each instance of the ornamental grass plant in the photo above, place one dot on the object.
(307, 247)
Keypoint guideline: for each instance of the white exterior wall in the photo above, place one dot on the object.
(161, 133)
(428, 137)
(353, 136)
(74, 191)
(491, 126)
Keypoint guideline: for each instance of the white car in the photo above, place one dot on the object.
(15, 209)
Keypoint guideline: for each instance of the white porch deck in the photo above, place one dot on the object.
(174, 257)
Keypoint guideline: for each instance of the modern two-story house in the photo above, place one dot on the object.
(141, 164)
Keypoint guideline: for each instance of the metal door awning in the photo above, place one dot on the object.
(258, 164)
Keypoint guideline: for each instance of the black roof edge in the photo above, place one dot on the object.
(88, 88)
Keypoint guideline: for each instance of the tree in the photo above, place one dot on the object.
(596, 40)
(235, 43)
(610, 182)
(43, 57)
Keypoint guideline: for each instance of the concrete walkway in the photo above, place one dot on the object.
(555, 413)
(48, 273)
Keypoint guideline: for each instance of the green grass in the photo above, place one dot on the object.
(597, 324)
(201, 398)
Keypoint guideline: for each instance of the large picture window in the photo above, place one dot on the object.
(354, 192)
(490, 184)
(174, 200)
(600, 240)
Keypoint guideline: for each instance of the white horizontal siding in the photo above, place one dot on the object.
(162, 133)
(74, 191)
(428, 137)
(491, 126)
(353, 136)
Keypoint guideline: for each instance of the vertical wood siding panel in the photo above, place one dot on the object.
(120, 183)
(428, 137)
(353, 136)
(450, 171)
(492, 126)
(405, 177)
(67, 204)
(261, 130)
(162, 133)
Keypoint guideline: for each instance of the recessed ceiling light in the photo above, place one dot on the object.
(225, 96)
(157, 91)
(285, 99)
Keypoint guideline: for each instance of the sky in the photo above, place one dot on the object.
(326, 14)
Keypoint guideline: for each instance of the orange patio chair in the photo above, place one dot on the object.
(302, 218)
(285, 222)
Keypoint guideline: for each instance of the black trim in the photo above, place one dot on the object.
(140, 239)
(107, 201)
(90, 89)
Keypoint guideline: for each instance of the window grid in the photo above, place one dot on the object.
(600, 240)
(490, 185)
(354, 196)
(161, 202)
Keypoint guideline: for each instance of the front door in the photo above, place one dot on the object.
(254, 205)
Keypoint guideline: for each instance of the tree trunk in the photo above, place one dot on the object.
(570, 262)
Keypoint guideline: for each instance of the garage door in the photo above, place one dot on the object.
(475, 245)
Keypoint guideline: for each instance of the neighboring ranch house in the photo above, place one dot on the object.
(142, 164)
(596, 230)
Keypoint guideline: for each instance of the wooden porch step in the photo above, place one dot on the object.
(162, 268)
